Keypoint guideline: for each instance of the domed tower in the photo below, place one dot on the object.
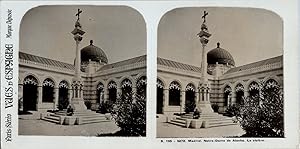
(92, 58)
(219, 61)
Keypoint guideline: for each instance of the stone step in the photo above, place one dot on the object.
(221, 124)
(94, 121)
(50, 120)
(92, 116)
(177, 123)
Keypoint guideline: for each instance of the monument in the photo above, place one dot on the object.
(77, 86)
(204, 87)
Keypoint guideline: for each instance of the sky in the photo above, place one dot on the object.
(120, 31)
(248, 34)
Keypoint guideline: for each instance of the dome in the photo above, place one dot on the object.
(93, 53)
(219, 55)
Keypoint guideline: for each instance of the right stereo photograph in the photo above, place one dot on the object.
(220, 73)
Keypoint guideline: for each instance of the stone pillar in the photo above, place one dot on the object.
(166, 100)
(197, 97)
(40, 96)
(182, 101)
(106, 94)
(233, 97)
(70, 95)
(119, 91)
(246, 93)
(134, 88)
(56, 94)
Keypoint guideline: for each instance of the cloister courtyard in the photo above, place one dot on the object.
(31, 124)
(167, 130)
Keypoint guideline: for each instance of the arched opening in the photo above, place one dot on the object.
(253, 89)
(112, 91)
(48, 90)
(30, 93)
(142, 86)
(159, 96)
(100, 93)
(227, 96)
(190, 98)
(174, 94)
(271, 84)
(126, 86)
(239, 90)
(63, 96)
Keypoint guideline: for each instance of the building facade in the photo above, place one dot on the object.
(45, 84)
(178, 84)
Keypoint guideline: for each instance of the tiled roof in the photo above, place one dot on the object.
(123, 63)
(42, 60)
(169, 63)
(256, 64)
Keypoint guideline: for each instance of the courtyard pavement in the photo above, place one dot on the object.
(166, 130)
(32, 125)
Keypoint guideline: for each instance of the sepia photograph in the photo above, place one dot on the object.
(220, 73)
(82, 71)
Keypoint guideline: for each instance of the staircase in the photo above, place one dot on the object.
(207, 119)
(80, 117)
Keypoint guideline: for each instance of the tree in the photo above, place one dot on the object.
(129, 113)
(262, 115)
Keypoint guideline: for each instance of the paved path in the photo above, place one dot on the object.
(31, 125)
(165, 130)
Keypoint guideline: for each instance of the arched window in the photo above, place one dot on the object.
(100, 92)
(126, 86)
(190, 104)
(253, 89)
(227, 95)
(142, 86)
(174, 94)
(30, 93)
(63, 97)
(48, 90)
(112, 91)
(239, 90)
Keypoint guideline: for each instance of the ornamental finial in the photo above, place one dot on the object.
(78, 13)
(204, 16)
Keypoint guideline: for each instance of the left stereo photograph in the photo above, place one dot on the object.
(82, 71)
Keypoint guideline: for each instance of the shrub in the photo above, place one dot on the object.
(189, 107)
(262, 116)
(105, 107)
(233, 110)
(215, 107)
(129, 113)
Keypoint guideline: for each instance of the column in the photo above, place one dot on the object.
(40, 96)
(119, 91)
(55, 103)
(233, 97)
(246, 93)
(81, 91)
(134, 88)
(20, 97)
(70, 95)
(166, 100)
(197, 97)
(182, 101)
(106, 94)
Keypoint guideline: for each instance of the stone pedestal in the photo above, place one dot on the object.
(204, 103)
